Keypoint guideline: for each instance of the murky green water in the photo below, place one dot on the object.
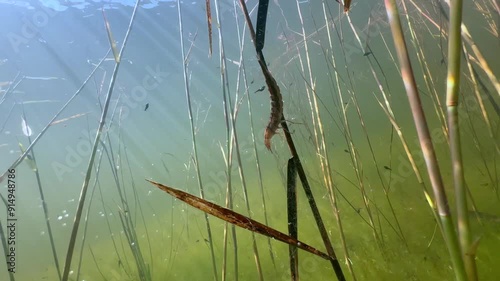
(148, 136)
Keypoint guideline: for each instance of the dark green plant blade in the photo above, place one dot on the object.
(237, 219)
(291, 194)
(261, 24)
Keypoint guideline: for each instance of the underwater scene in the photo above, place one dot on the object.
(249, 140)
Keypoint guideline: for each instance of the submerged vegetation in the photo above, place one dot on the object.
(388, 113)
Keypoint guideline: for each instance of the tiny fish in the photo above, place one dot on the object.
(261, 89)
(146, 107)
(387, 168)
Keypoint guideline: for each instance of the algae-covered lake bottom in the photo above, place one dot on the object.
(167, 120)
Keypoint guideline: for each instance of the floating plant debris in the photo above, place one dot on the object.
(237, 219)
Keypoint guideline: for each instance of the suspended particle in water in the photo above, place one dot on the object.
(59, 217)
(42, 233)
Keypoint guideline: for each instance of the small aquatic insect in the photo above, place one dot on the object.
(146, 107)
(260, 89)
(276, 116)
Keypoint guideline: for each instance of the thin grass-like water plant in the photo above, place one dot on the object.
(43, 199)
(193, 136)
(83, 193)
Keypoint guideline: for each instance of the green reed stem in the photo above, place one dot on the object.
(452, 91)
(429, 154)
(81, 200)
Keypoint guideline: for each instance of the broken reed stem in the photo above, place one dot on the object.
(452, 91)
(81, 200)
(305, 184)
(449, 233)
(193, 137)
(237, 219)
